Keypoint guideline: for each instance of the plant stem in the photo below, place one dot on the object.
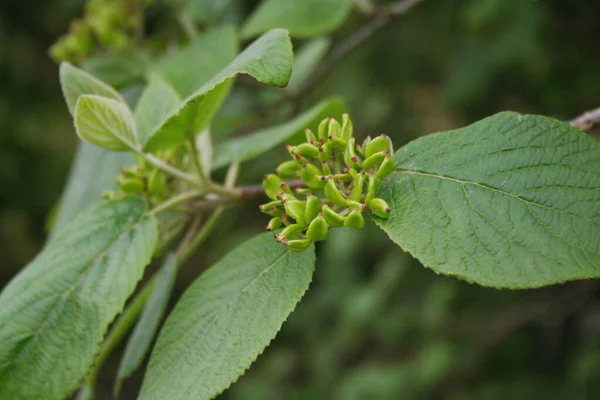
(169, 169)
(178, 199)
(196, 158)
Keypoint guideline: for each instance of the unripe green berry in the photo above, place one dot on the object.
(326, 151)
(272, 185)
(332, 193)
(338, 141)
(295, 209)
(323, 129)
(157, 183)
(307, 150)
(332, 218)
(313, 207)
(386, 168)
(355, 219)
(131, 185)
(297, 245)
(310, 174)
(310, 136)
(357, 186)
(334, 128)
(380, 143)
(347, 127)
(380, 208)
(289, 232)
(318, 229)
(274, 223)
(288, 169)
(372, 187)
(266, 208)
(373, 161)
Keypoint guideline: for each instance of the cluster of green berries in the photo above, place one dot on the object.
(107, 23)
(341, 178)
(145, 180)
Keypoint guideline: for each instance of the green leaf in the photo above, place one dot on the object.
(248, 147)
(193, 65)
(307, 58)
(302, 18)
(207, 10)
(54, 313)
(157, 100)
(106, 123)
(93, 171)
(76, 82)
(268, 60)
(140, 340)
(511, 201)
(225, 320)
(116, 70)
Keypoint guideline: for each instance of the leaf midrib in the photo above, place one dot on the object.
(494, 189)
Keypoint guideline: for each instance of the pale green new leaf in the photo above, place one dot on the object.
(268, 60)
(188, 68)
(140, 340)
(105, 123)
(302, 18)
(54, 313)
(76, 82)
(225, 320)
(307, 59)
(157, 100)
(511, 201)
(250, 146)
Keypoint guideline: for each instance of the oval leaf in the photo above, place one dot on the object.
(140, 340)
(250, 146)
(302, 18)
(155, 103)
(225, 320)
(106, 123)
(76, 82)
(511, 201)
(54, 313)
(268, 60)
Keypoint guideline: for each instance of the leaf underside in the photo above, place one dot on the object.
(511, 201)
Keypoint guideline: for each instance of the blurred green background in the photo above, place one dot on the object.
(375, 324)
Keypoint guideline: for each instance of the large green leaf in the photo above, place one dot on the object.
(157, 100)
(76, 82)
(511, 201)
(302, 18)
(117, 70)
(105, 123)
(247, 147)
(268, 60)
(140, 340)
(225, 320)
(54, 313)
(207, 10)
(193, 65)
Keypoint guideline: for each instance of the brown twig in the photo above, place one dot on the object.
(381, 16)
(586, 120)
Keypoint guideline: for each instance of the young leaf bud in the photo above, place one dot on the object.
(288, 170)
(307, 150)
(295, 209)
(357, 187)
(272, 185)
(313, 207)
(380, 143)
(332, 218)
(310, 174)
(297, 245)
(333, 193)
(289, 232)
(372, 187)
(157, 183)
(380, 208)
(274, 223)
(386, 168)
(355, 219)
(373, 160)
(310, 136)
(347, 127)
(318, 229)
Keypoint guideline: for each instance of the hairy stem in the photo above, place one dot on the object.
(169, 169)
(196, 159)
(176, 200)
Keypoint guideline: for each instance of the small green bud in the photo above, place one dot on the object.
(323, 130)
(297, 245)
(350, 158)
(266, 208)
(131, 185)
(355, 204)
(373, 160)
(157, 183)
(304, 191)
(333, 193)
(318, 229)
(313, 207)
(334, 128)
(372, 187)
(326, 151)
(307, 150)
(325, 168)
(289, 231)
(338, 141)
(357, 186)
(380, 208)
(310, 174)
(360, 151)
(274, 223)
(332, 218)
(288, 169)
(386, 168)
(310, 136)
(272, 185)
(295, 209)
(380, 143)
(347, 127)
(355, 219)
